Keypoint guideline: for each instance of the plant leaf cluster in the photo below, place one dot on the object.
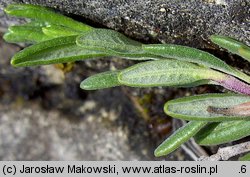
(214, 118)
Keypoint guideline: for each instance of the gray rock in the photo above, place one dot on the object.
(37, 134)
(167, 21)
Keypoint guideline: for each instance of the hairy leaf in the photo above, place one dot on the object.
(58, 50)
(167, 73)
(113, 43)
(189, 54)
(101, 81)
(223, 132)
(44, 14)
(203, 107)
(179, 137)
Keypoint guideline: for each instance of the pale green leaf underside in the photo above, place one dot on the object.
(223, 132)
(58, 50)
(167, 73)
(100, 81)
(195, 107)
(113, 43)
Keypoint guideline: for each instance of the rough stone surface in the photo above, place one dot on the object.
(168, 21)
(36, 134)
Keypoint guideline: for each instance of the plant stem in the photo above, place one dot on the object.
(228, 152)
(235, 85)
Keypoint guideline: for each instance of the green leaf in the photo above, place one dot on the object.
(58, 31)
(101, 81)
(113, 43)
(179, 137)
(232, 45)
(199, 107)
(44, 14)
(35, 31)
(246, 157)
(30, 34)
(36, 23)
(184, 53)
(167, 73)
(223, 132)
(58, 50)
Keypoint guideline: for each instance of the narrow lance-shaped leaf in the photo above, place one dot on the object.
(179, 137)
(101, 81)
(223, 132)
(232, 45)
(44, 14)
(113, 43)
(209, 107)
(58, 50)
(23, 33)
(167, 73)
(157, 73)
(179, 74)
(189, 54)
